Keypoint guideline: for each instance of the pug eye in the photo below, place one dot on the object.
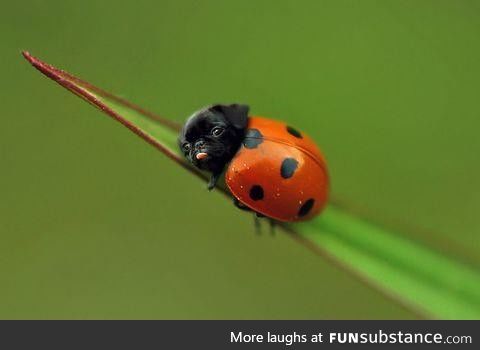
(217, 131)
(187, 147)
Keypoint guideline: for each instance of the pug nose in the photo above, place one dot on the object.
(199, 144)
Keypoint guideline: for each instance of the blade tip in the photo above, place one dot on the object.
(28, 56)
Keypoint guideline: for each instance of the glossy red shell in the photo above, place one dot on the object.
(278, 172)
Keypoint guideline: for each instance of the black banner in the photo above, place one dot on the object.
(239, 334)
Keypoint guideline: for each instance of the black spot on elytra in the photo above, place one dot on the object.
(306, 207)
(289, 165)
(253, 137)
(294, 132)
(256, 192)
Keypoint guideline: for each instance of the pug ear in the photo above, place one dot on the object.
(236, 114)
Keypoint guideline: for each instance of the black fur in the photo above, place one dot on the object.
(217, 130)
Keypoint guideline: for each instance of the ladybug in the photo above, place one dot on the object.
(270, 167)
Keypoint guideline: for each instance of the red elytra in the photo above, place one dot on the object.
(278, 172)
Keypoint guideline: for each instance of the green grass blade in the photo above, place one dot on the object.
(159, 132)
(419, 277)
(411, 274)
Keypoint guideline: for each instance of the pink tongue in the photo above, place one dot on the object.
(202, 155)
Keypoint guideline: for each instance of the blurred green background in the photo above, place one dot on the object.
(94, 223)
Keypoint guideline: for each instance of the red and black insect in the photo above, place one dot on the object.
(270, 167)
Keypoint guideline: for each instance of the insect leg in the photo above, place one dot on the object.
(273, 224)
(213, 181)
(240, 205)
(256, 221)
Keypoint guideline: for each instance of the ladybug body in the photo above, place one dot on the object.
(270, 168)
(278, 172)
